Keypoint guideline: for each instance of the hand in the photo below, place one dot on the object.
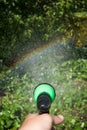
(41, 122)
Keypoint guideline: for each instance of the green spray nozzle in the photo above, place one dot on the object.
(44, 95)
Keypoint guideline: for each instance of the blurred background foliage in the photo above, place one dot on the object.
(26, 25)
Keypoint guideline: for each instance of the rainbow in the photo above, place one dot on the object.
(35, 51)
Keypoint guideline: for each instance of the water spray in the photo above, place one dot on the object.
(44, 95)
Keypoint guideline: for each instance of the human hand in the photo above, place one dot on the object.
(41, 122)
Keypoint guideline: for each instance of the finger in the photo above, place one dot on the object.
(57, 119)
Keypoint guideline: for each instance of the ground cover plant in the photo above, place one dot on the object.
(71, 99)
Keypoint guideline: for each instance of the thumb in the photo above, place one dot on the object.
(57, 119)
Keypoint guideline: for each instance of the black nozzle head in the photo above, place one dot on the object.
(43, 103)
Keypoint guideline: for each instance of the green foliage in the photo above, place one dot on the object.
(71, 95)
(26, 24)
(75, 69)
(16, 103)
(71, 100)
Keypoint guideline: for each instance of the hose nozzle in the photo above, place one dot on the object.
(44, 95)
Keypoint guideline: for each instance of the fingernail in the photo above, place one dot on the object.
(61, 117)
